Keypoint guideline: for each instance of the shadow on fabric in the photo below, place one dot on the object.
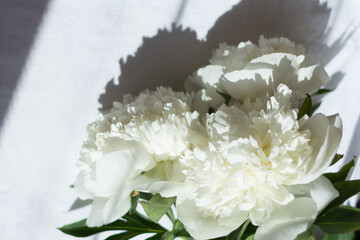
(171, 55)
(19, 23)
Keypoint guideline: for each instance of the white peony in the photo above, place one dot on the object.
(144, 134)
(249, 71)
(260, 163)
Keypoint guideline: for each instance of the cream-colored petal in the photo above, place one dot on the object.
(95, 218)
(111, 172)
(206, 99)
(246, 83)
(288, 221)
(117, 205)
(80, 188)
(274, 59)
(310, 79)
(200, 226)
(326, 134)
(321, 191)
(208, 76)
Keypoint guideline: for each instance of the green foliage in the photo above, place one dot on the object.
(245, 232)
(341, 236)
(346, 190)
(146, 196)
(342, 174)
(323, 91)
(340, 220)
(177, 231)
(123, 236)
(134, 201)
(238, 233)
(227, 97)
(250, 237)
(157, 206)
(336, 158)
(305, 108)
(307, 235)
(134, 224)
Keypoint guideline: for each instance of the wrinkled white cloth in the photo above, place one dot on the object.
(75, 52)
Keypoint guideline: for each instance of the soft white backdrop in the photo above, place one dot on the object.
(74, 53)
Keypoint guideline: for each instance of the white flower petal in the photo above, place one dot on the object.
(116, 168)
(200, 226)
(246, 83)
(326, 134)
(274, 59)
(130, 139)
(250, 71)
(310, 79)
(80, 188)
(164, 188)
(165, 179)
(117, 205)
(321, 191)
(206, 99)
(288, 221)
(95, 218)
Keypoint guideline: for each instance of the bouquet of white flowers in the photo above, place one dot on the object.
(240, 155)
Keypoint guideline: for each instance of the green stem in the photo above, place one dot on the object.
(170, 215)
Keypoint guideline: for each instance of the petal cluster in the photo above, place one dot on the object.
(249, 71)
(134, 137)
(250, 157)
(257, 159)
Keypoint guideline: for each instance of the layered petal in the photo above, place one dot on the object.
(249, 71)
(288, 221)
(326, 133)
(201, 226)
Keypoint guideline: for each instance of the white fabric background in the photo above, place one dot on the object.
(75, 52)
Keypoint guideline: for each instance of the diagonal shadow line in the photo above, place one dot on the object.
(180, 11)
(19, 24)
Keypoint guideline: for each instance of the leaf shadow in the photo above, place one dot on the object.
(171, 55)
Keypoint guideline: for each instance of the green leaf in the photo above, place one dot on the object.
(72, 186)
(227, 97)
(123, 236)
(146, 196)
(237, 234)
(342, 174)
(177, 231)
(157, 206)
(251, 237)
(307, 235)
(336, 158)
(249, 231)
(346, 190)
(340, 220)
(323, 91)
(305, 108)
(170, 215)
(155, 237)
(341, 236)
(167, 236)
(132, 223)
(80, 229)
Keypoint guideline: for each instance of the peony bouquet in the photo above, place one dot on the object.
(239, 155)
